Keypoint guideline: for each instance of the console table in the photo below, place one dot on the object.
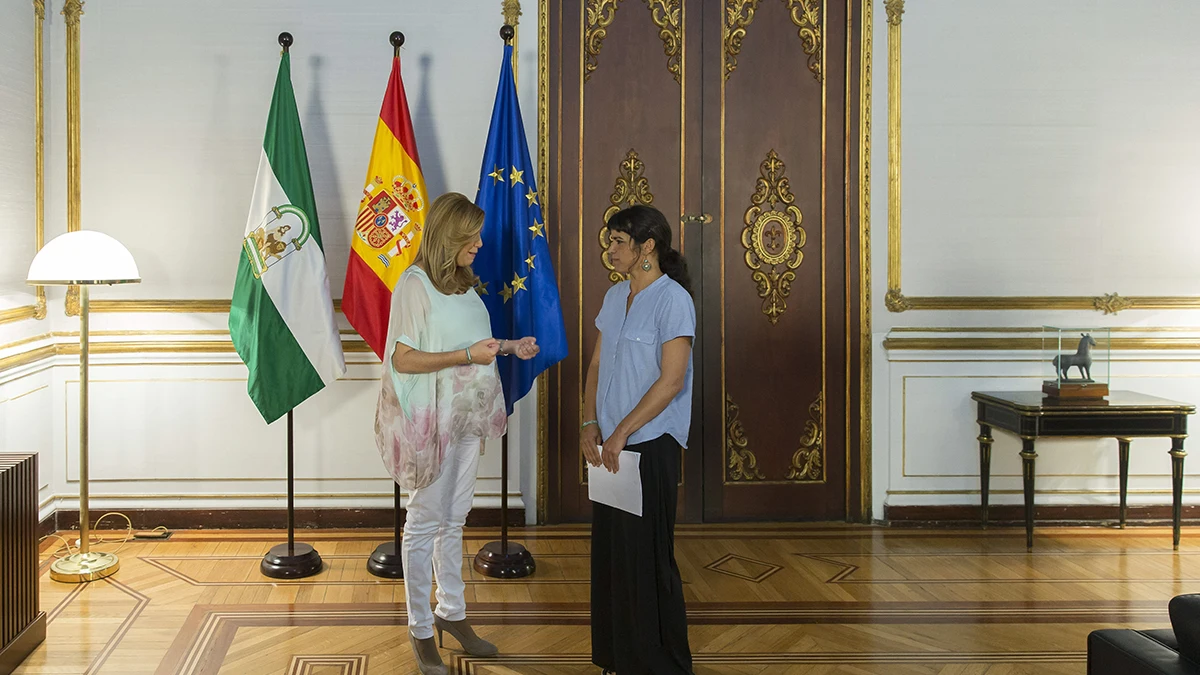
(1123, 415)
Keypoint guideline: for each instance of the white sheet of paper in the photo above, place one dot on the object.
(620, 490)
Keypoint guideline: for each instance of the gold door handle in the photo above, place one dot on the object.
(703, 218)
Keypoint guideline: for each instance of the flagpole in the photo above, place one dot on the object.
(290, 560)
(386, 560)
(501, 559)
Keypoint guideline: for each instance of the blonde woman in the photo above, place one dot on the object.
(440, 399)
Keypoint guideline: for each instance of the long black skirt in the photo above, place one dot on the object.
(639, 622)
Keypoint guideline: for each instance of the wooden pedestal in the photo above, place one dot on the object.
(1074, 390)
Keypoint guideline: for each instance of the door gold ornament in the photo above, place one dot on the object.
(742, 465)
(738, 15)
(807, 17)
(600, 15)
(1111, 303)
(895, 10)
(630, 188)
(773, 237)
(808, 464)
(666, 15)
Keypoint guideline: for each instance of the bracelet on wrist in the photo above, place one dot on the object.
(588, 424)
(468, 351)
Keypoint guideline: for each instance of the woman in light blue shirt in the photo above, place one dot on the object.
(638, 398)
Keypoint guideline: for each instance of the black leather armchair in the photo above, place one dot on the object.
(1168, 651)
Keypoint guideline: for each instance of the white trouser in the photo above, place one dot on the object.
(433, 534)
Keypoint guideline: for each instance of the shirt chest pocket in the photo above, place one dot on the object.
(639, 340)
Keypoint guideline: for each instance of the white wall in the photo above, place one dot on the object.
(16, 151)
(1055, 153)
(174, 98)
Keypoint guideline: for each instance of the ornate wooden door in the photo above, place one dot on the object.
(731, 117)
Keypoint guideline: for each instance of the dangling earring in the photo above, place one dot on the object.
(646, 265)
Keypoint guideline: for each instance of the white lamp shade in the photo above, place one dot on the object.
(83, 258)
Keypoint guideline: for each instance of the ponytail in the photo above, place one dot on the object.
(674, 266)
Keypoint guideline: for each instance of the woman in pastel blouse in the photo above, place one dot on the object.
(638, 398)
(440, 400)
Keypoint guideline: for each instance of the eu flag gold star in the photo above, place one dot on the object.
(532, 197)
(497, 176)
(529, 260)
(518, 283)
(536, 229)
(481, 286)
(506, 293)
(515, 176)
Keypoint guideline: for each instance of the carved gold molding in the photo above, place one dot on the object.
(741, 464)
(630, 187)
(808, 462)
(1032, 344)
(738, 15)
(666, 15)
(39, 124)
(511, 9)
(864, 259)
(773, 237)
(72, 11)
(896, 301)
(807, 17)
(599, 16)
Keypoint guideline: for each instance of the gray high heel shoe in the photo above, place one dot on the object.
(462, 631)
(429, 661)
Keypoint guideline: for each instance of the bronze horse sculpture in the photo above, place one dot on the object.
(1081, 359)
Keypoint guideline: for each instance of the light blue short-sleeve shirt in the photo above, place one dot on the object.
(631, 356)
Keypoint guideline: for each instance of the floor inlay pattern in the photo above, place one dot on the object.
(762, 600)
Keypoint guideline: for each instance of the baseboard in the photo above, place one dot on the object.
(49, 525)
(1014, 514)
(15, 652)
(272, 519)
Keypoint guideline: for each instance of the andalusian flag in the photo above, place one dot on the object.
(390, 216)
(281, 317)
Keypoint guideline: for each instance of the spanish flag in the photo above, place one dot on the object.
(390, 218)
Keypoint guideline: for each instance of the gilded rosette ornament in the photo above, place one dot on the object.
(741, 464)
(808, 464)
(773, 237)
(630, 187)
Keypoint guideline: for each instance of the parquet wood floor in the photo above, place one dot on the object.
(762, 600)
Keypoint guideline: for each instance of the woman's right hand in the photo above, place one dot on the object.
(589, 443)
(484, 352)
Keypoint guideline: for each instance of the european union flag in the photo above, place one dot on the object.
(516, 278)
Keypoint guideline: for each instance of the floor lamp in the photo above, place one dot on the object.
(83, 258)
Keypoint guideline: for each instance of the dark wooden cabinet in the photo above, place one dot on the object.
(736, 118)
(22, 624)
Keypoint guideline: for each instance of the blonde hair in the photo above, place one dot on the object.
(453, 222)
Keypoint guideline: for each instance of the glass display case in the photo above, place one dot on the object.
(1076, 362)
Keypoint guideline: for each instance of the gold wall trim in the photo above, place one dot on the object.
(808, 462)
(806, 14)
(72, 11)
(738, 15)
(39, 125)
(1031, 343)
(1038, 329)
(666, 15)
(29, 357)
(200, 306)
(864, 259)
(896, 301)
(543, 151)
(599, 15)
(19, 314)
(741, 464)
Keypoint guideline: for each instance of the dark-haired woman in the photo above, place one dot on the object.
(639, 398)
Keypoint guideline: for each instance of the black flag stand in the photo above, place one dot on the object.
(504, 559)
(386, 561)
(291, 560)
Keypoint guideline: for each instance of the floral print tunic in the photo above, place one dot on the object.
(419, 416)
